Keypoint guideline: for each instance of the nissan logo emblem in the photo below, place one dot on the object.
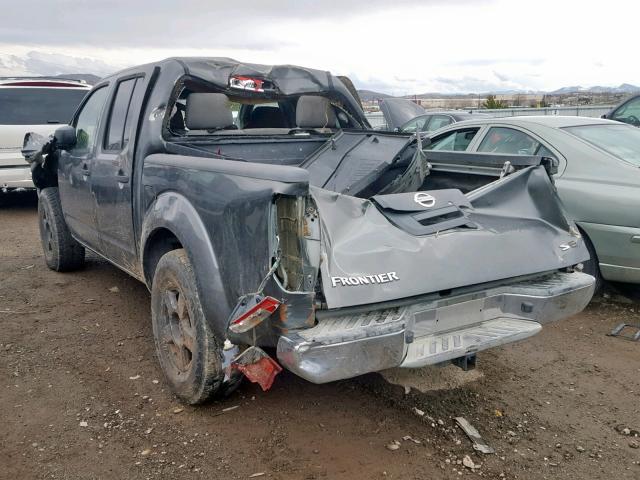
(424, 199)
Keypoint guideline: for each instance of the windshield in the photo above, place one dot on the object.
(38, 106)
(621, 141)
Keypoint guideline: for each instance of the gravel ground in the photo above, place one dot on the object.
(82, 397)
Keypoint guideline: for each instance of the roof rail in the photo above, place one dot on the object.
(44, 78)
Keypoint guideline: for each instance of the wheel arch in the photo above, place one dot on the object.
(172, 222)
(587, 239)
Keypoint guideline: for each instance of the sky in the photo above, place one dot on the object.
(398, 47)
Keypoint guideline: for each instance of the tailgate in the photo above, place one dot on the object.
(401, 245)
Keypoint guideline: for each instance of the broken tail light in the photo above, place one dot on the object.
(247, 83)
(253, 316)
(257, 366)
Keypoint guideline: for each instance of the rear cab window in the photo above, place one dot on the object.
(239, 112)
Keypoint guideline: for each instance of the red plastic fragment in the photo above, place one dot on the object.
(263, 371)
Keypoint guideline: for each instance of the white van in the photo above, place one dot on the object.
(38, 104)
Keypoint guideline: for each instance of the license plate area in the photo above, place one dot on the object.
(456, 316)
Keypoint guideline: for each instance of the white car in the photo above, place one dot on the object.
(38, 104)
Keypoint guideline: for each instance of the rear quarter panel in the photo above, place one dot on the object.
(220, 212)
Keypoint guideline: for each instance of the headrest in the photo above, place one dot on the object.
(208, 111)
(314, 112)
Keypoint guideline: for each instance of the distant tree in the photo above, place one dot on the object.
(544, 103)
(492, 103)
(518, 101)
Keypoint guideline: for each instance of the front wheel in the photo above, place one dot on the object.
(188, 351)
(62, 252)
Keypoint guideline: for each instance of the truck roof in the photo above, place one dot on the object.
(283, 79)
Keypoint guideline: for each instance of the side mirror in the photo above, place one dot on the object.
(604, 115)
(65, 137)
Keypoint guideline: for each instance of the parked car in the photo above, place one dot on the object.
(435, 120)
(404, 115)
(297, 227)
(628, 111)
(398, 111)
(36, 104)
(598, 177)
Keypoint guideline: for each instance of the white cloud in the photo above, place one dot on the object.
(400, 47)
(34, 63)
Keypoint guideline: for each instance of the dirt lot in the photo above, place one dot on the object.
(81, 396)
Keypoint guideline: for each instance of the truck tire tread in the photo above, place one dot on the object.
(205, 377)
(62, 252)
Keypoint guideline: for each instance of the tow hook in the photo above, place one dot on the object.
(257, 366)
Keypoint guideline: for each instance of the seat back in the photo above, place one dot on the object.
(208, 111)
(315, 112)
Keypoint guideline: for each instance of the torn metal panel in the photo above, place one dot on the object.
(361, 247)
(257, 366)
(355, 163)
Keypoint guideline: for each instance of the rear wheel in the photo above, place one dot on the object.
(62, 252)
(188, 351)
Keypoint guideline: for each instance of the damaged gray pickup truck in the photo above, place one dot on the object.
(262, 212)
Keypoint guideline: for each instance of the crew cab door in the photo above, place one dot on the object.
(112, 172)
(75, 169)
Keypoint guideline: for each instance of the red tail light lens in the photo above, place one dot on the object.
(247, 83)
(255, 315)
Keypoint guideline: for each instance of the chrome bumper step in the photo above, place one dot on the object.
(345, 344)
(441, 347)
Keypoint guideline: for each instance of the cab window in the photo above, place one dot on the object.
(508, 140)
(457, 140)
(87, 121)
(117, 132)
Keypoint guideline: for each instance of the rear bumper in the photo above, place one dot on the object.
(430, 331)
(16, 177)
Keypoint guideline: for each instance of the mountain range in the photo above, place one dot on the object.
(625, 88)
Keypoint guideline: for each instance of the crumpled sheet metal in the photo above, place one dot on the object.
(521, 229)
(258, 367)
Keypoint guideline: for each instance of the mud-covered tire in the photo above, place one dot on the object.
(189, 353)
(591, 266)
(61, 251)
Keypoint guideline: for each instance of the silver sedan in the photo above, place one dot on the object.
(598, 177)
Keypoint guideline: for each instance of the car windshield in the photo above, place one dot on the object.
(621, 141)
(38, 106)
